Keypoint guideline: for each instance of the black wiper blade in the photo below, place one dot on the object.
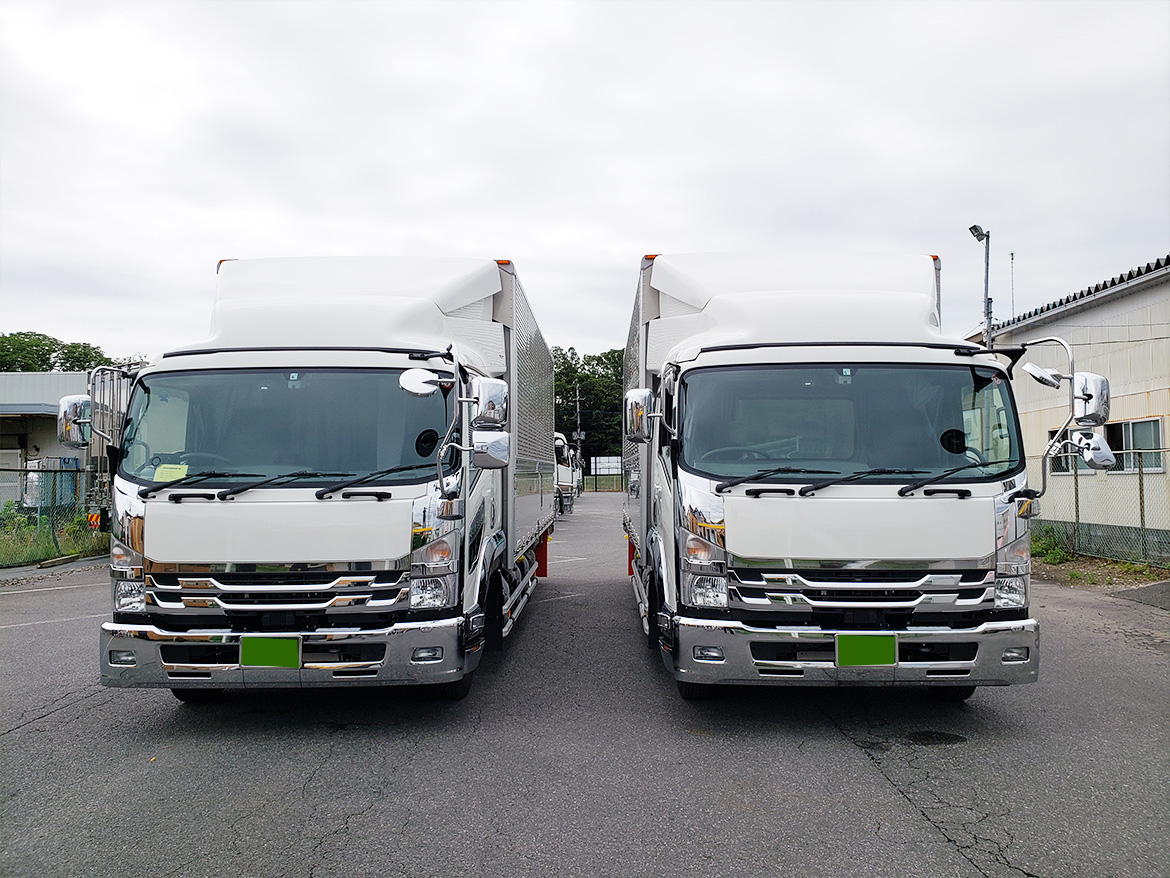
(764, 473)
(863, 474)
(906, 490)
(299, 474)
(322, 493)
(191, 478)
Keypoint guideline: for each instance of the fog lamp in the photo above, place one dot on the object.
(427, 654)
(1015, 654)
(708, 653)
(123, 657)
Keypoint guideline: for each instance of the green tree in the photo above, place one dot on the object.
(36, 352)
(27, 352)
(594, 382)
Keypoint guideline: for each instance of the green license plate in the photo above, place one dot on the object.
(866, 650)
(270, 652)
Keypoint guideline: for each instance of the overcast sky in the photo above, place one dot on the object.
(142, 142)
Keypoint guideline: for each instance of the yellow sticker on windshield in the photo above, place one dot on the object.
(166, 472)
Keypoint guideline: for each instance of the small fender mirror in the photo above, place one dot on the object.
(419, 382)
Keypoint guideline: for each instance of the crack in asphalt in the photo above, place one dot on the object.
(967, 828)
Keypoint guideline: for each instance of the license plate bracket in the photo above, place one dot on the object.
(867, 650)
(270, 652)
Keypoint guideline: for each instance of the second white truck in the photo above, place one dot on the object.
(824, 489)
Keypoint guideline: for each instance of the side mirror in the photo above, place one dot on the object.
(491, 410)
(637, 414)
(1090, 400)
(1095, 451)
(419, 382)
(73, 421)
(491, 449)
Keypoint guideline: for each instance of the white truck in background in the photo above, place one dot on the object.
(830, 491)
(350, 483)
(569, 478)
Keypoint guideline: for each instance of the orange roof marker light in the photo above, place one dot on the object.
(503, 262)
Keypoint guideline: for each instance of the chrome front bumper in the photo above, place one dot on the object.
(132, 656)
(740, 667)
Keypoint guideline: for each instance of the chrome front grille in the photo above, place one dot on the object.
(242, 592)
(805, 591)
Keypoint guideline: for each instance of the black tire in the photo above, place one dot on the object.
(694, 691)
(456, 690)
(952, 694)
(493, 626)
(653, 605)
(197, 696)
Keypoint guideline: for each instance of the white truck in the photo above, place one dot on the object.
(830, 492)
(568, 473)
(349, 483)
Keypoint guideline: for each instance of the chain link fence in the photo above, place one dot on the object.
(1122, 513)
(43, 515)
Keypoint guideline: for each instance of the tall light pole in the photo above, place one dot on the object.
(985, 237)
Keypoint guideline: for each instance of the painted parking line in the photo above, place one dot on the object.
(563, 597)
(48, 588)
(55, 621)
(564, 560)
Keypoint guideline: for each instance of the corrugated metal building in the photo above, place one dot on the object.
(1119, 328)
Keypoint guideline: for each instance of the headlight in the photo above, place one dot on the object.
(129, 596)
(434, 570)
(127, 578)
(703, 572)
(1013, 567)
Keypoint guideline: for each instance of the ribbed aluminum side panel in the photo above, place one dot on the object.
(632, 453)
(534, 467)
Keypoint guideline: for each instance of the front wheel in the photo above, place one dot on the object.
(694, 691)
(456, 690)
(197, 696)
(952, 694)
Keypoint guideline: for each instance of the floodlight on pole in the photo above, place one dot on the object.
(980, 235)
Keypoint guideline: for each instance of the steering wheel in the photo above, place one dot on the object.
(976, 455)
(735, 452)
(208, 457)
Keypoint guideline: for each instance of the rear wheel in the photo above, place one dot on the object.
(694, 691)
(952, 694)
(197, 696)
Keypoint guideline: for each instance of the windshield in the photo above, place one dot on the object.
(322, 423)
(841, 419)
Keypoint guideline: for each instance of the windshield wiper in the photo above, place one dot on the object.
(299, 474)
(322, 493)
(189, 479)
(764, 473)
(865, 473)
(907, 490)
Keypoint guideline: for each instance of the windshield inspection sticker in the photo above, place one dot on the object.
(166, 472)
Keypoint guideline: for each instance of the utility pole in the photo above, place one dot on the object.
(985, 238)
